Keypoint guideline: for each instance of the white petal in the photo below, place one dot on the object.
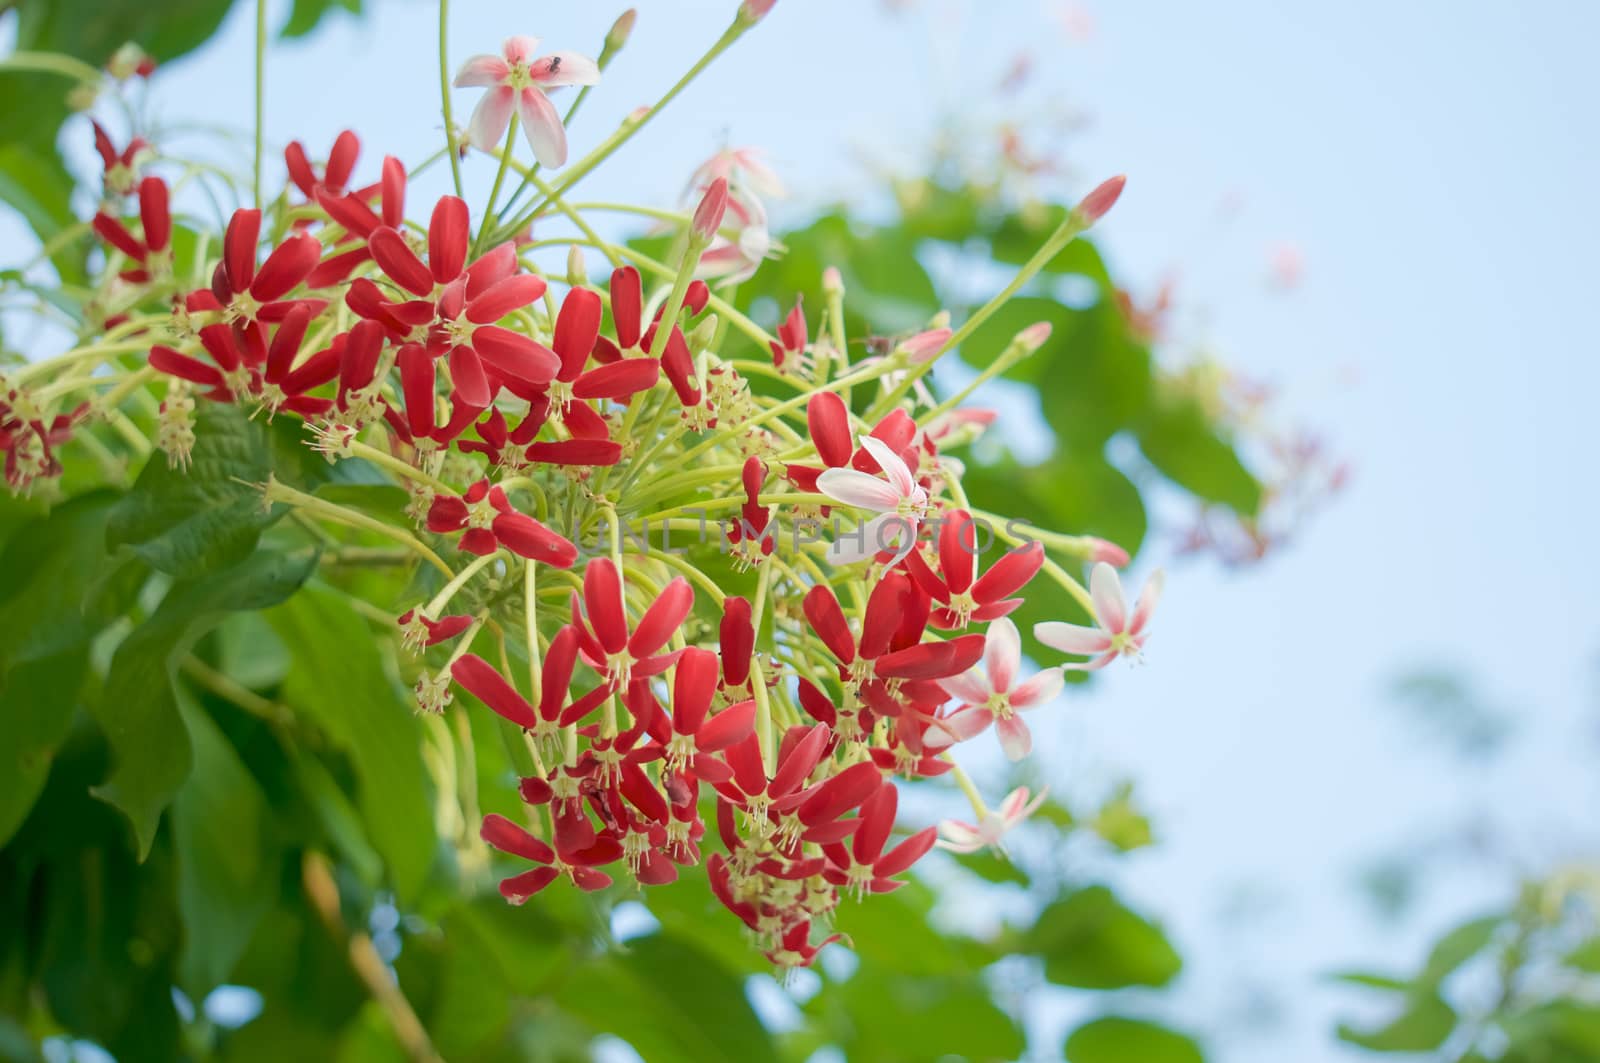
(757, 174)
(1002, 653)
(890, 463)
(866, 541)
(964, 835)
(565, 68)
(1013, 802)
(481, 71)
(957, 727)
(1038, 690)
(1014, 737)
(1071, 638)
(1111, 609)
(1146, 603)
(489, 119)
(542, 126)
(856, 488)
(1090, 666)
(970, 687)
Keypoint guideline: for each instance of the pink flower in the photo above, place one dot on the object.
(1117, 632)
(990, 831)
(516, 79)
(991, 694)
(899, 502)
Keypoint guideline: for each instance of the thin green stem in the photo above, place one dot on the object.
(261, 92)
(444, 96)
(499, 179)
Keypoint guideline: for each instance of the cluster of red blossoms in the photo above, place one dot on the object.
(526, 426)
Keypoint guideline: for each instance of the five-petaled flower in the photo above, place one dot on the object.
(517, 80)
(992, 694)
(1117, 633)
(989, 832)
(899, 501)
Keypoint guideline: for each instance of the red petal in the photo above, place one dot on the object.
(153, 213)
(577, 327)
(738, 639)
(239, 248)
(395, 257)
(692, 687)
(515, 355)
(827, 620)
(507, 837)
(513, 293)
(664, 616)
(602, 598)
(523, 535)
(575, 452)
(486, 684)
(618, 380)
(829, 421)
(466, 372)
(730, 725)
(877, 820)
(447, 239)
(627, 306)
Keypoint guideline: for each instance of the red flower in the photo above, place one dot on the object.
(696, 734)
(865, 867)
(961, 598)
(607, 645)
(485, 683)
(790, 346)
(151, 250)
(120, 167)
(890, 646)
(341, 161)
(491, 522)
(579, 865)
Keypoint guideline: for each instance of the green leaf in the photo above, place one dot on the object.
(1020, 236)
(1178, 440)
(227, 856)
(992, 867)
(989, 339)
(339, 680)
(188, 521)
(57, 591)
(1423, 1025)
(36, 184)
(1459, 946)
(1089, 940)
(1370, 980)
(307, 15)
(895, 1017)
(138, 710)
(1120, 822)
(1585, 957)
(1113, 1039)
(1095, 377)
(671, 1001)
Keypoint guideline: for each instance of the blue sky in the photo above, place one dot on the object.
(1435, 162)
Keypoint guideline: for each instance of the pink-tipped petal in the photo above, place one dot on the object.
(856, 488)
(541, 124)
(490, 117)
(481, 71)
(1038, 690)
(1111, 609)
(1072, 638)
(895, 469)
(1002, 653)
(1146, 603)
(564, 68)
(1014, 736)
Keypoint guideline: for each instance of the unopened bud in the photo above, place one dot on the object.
(577, 275)
(1034, 336)
(704, 334)
(941, 320)
(753, 11)
(832, 282)
(128, 61)
(621, 29)
(83, 98)
(708, 215)
(1102, 199)
(1104, 550)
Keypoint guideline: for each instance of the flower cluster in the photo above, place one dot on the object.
(545, 427)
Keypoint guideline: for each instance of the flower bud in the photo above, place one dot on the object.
(708, 215)
(753, 11)
(832, 282)
(577, 275)
(1035, 335)
(1096, 203)
(128, 61)
(621, 29)
(704, 334)
(1105, 550)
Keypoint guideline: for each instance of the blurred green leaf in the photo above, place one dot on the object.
(670, 1000)
(1120, 823)
(227, 856)
(339, 680)
(1422, 1025)
(1459, 946)
(1178, 440)
(896, 1018)
(137, 709)
(307, 15)
(1113, 1039)
(1585, 957)
(1089, 940)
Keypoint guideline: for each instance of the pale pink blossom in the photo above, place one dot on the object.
(989, 832)
(1117, 632)
(517, 80)
(744, 168)
(990, 693)
(923, 346)
(898, 499)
